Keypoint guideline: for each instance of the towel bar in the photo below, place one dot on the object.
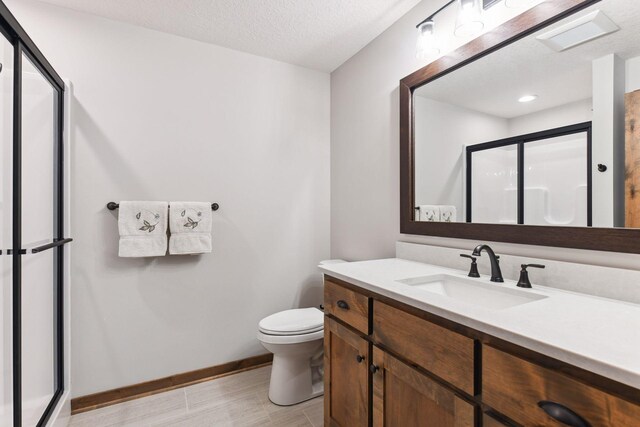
(112, 206)
(53, 244)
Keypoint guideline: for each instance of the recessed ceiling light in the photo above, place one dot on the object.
(528, 98)
(595, 24)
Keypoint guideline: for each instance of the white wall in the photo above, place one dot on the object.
(563, 115)
(441, 132)
(608, 141)
(364, 154)
(161, 117)
(632, 74)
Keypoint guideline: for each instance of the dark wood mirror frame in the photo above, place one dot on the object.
(603, 239)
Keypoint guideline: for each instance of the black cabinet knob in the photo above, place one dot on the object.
(342, 304)
(562, 414)
(359, 358)
(373, 368)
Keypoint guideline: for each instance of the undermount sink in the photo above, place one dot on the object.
(472, 292)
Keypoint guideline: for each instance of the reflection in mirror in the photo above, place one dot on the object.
(541, 132)
(535, 179)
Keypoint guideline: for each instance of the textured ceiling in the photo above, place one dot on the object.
(318, 34)
(494, 83)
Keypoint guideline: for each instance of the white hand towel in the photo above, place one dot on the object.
(448, 213)
(429, 213)
(143, 229)
(190, 225)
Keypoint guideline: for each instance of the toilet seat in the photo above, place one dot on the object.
(290, 339)
(298, 321)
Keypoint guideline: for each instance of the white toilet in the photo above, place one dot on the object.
(295, 337)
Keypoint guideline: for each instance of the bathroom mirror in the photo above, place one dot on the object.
(527, 133)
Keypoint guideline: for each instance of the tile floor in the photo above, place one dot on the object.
(237, 400)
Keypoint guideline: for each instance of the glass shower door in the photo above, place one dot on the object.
(542, 178)
(556, 181)
(31, 230)
(39, 290)
(493, 186)
(6, 234)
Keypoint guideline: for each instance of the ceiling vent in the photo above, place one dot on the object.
(589, 27)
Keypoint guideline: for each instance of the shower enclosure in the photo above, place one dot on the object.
(542, 178)
(31, 230)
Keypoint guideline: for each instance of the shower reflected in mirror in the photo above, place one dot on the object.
(538, 132)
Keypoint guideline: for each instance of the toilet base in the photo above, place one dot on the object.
(312, 396)
(294, 378)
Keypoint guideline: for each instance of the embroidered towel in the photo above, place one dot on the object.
(190, 225)
(143, 229)
(429, 213)
(448, 213)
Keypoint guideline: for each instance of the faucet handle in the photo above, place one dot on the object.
(473, 271)
(532, 265)
(524, 281)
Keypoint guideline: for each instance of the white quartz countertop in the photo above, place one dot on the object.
(597, 334)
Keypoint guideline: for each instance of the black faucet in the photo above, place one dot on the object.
(496, 274)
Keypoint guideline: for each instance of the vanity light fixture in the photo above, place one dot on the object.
(468, 23)
(528, 98)
(427, 45)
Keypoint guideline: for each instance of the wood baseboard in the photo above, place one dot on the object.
(136, 391)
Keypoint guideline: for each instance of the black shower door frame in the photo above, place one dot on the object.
(24, 45)
(520, 142)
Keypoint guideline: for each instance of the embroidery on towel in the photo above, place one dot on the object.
(147, 224)
(430, 216)
(191, 223)
(447, 216)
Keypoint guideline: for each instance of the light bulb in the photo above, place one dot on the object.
(527, 98)
(469, 21)
(427, 45)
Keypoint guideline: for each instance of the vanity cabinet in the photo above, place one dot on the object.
(366, 385)
(389, 364)
(346, 376)
(403, 397)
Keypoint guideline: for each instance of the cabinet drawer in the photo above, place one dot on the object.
(347, 305)
(443, 352)
(516, 388)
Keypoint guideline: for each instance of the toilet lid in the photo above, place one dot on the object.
(293, 322)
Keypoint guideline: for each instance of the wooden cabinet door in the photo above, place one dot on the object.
(346, 377)
(404, 397)
(521, 390)
(489, 421)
